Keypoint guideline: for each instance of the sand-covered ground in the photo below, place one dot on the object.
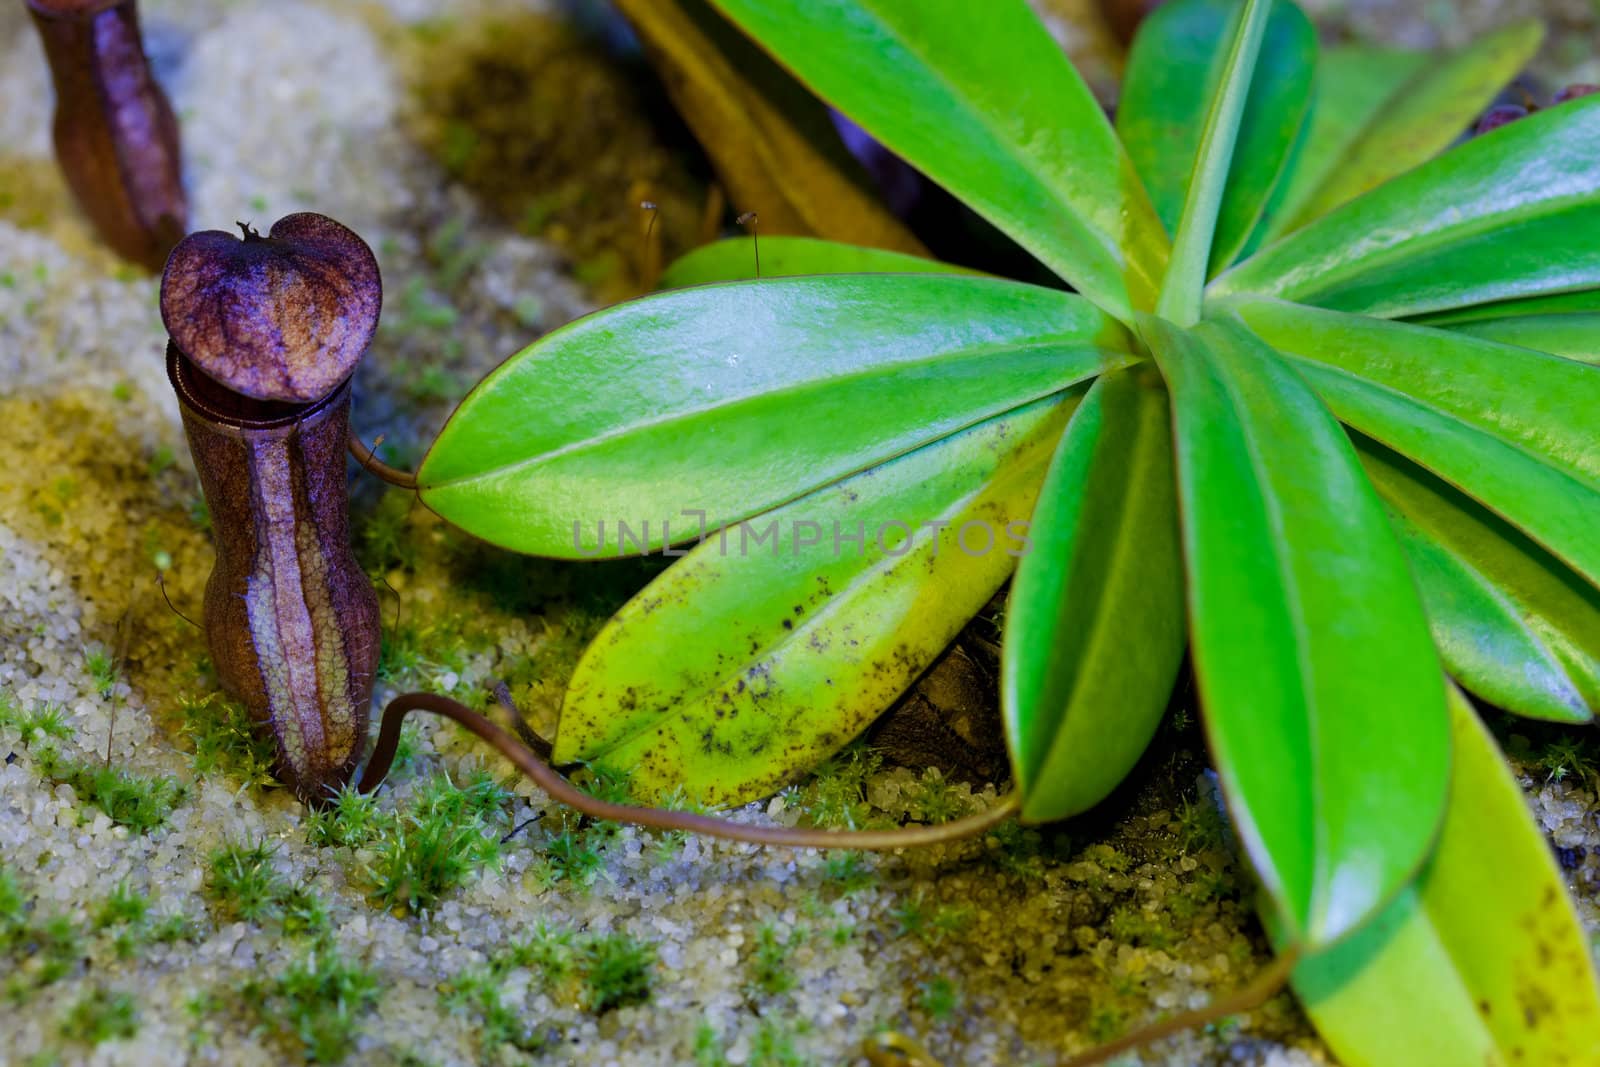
(188, 911)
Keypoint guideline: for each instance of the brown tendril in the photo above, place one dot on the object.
(562, 791)
(1262, 988)
(368, 458)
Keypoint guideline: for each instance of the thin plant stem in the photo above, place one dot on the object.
(369, 459)
(563, 791)
(1262, 988)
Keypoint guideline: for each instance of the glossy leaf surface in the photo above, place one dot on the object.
(1541, 403)
(1095, 627)
(732, 399)
(1169, 81)
(1513, 213)
(734, 259)
(743, 666)
(1511, 623)
(1419, 118)
(1352, 83)
(1506, 425)
(1180, 298)
(982, 100)
(773, 144)
(1563, 324)
(1323, 698)
(1482, 961)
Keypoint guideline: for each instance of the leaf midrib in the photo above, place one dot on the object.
(1274, 517)
(1291, 284)
(1114, 357)
(1110, 248)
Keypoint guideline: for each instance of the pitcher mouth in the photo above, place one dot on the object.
(218, 404)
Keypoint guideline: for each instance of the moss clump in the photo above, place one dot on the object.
(35, 950)
(226, 742)
(770, 969)
(617, 971)
(139, 803)
(316, 1005)
(427, 850)
(101, 1015)
(242, 884)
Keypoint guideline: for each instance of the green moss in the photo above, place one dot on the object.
(384, 536)
(617, 970)
(226, 742)
(1198, 825)
(351, 821)
(836, 795)
(774, 1045)
(929, 924)
(572, 856)
(447, 835)
(770, 969)
(123, 906)
(599, 972)
(1017, 850)
(934, 799)
(315, 1007)
(243, 885)
(938, 998)
(478, 992)
(139, 803)
(101, 1015)
(850, 871)
(35, 950)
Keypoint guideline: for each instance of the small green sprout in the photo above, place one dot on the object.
(48, 721)
(929, 925)
(570, 855)
(938, 998)
(123, 907)
(141, 804)
(440, 842)
(103, 671)
(850, 870)
(770, 969)
(243, 885)
(836, 794)
(316, 1004)
(617, 971)
(101, 1015)
(225, 741)
(351, 821)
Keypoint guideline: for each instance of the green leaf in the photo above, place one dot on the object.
(1208, 181)
(1512, 624)
(1563, 324)
(1512, 213)
(1575, 336)
(1543, 404)
(1171, 74)
(982, 100)
(1580, 301)
(1095, 623)
(746, 663)
(1352, 84)
(734, 259)
(732, 399)
(1308, 637)
(1482, 961)
(1414, 122)
(1506, 425)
